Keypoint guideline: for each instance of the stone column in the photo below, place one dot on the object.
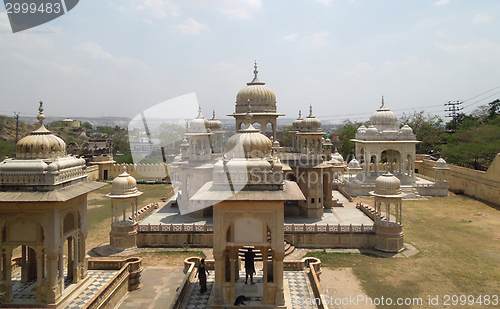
(219, 278)
(39, 274)
(278, 279)
(24, 264)
(8, 297)
(75, 260)
(61, 268)
(52, 269)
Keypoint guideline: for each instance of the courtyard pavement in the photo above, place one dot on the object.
(348, 214)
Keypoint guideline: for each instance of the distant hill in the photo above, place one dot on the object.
(96, 122)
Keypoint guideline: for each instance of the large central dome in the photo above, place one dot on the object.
(257, 94)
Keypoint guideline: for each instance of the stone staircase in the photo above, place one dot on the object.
(411, 193)
(289, 248)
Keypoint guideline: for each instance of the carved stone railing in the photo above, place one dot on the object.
(176, 228)
(327, 228)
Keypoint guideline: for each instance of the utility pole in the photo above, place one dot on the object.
(17, 126)
(453, 109)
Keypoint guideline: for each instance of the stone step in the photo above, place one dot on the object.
(289, 248)
(411, 193)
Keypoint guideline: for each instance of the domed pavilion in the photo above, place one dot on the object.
(43, 212)
(382, 147)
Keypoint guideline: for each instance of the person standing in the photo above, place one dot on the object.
(202, 275)
(249, 265)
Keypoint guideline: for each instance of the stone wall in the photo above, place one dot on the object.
(141, 171)
(92, 172)
(479, 184)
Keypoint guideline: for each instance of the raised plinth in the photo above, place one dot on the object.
(388, 238)
(123, 236)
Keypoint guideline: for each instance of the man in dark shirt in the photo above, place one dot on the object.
(249, 265)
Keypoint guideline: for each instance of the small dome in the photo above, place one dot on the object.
(387, 184)
(297, 123)
(199, 124)
(40, 144)
(406, 130)
(337, 156)
(215, 124)
(311, 123)
(371, 130)
(441, 164)
(258, 95)
(354, 165)
(384, 119)
(361, 129)
(124, 186)
(248, 143)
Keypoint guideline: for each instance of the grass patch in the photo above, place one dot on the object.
(459, 243)
(99, 210)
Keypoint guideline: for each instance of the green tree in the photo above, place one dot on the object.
(428, 129)
(494, 109)
(286, 136)
(346, 133)
(87, 125)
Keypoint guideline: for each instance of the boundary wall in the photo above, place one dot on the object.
(479, 184)
(141, 171)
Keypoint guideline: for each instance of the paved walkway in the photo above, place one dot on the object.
(159, 285)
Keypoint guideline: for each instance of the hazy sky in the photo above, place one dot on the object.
(121, 57)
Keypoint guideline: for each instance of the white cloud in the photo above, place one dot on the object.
(325, 2)
(241, 9)
(440, 34)
(67, 70)
(441, 2)
(290, 38)
(159, 8)
(95, 51)
(477, 50)
(320, 39)
(191, 27)
(482, 19)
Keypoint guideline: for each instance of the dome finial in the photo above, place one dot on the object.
(300, 114)
(40, 116)
(199, 111)
(310, 110)
(383, 104)
(213, 114)
(255, 71)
